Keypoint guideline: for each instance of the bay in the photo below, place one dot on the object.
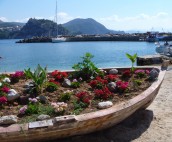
(62, 56)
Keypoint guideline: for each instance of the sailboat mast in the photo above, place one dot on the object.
(56, 19)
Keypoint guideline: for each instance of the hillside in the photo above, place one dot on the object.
(10, 24)
(87, 26)
(41, 27)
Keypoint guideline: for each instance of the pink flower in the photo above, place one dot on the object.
(3, 100)
(75, 80)
(5, 89)
(23, 109)
(33, 100)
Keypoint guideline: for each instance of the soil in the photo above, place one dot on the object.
(12, 108)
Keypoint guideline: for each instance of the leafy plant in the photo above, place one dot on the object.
(39, 77)
(75, 84)
(65, 97)
(86, 69)
(132, 59)
(51, 87)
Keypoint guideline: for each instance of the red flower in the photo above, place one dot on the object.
(126, 73)
(98, 83)
(122, 86)
(17, 74)
(84, 97)
(59, 75)
(55, 82)
(5, 89)
(111, 77)
(102, 93)
(3, 100)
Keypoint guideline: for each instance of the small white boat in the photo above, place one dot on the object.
(58, 39)
(165, 49)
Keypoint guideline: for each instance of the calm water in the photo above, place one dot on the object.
(64, 55)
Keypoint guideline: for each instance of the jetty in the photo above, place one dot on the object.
(153, 59)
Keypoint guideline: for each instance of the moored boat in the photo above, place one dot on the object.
(165, 49)
(65, 126)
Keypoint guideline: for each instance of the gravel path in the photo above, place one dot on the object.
(151, 125)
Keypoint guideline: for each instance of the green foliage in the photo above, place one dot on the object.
(32, 108)
(132, 59)
(138, 82)
(51, 87)
(65, 97)
(78, 107)
(75, 84)
(39, 77)
(86, 69)
(46, 109)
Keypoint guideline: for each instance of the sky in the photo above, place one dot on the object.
(125, 15)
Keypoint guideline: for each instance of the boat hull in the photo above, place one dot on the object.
(59, 39)
(61, 127)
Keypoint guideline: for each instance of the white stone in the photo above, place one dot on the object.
(111, 86)
(12, 95)
(7, 80)
(66, 83)
(113, 71)
(43, 117)
(103, 105)
(9, 119)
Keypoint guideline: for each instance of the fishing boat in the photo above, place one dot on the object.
(58, 38)
(71, 125)
(164, 48)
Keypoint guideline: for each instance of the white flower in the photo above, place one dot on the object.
(0, 84)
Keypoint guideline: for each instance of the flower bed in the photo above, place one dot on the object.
(39, 95)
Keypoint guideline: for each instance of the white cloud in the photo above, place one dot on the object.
(139, 22)
(4, 19)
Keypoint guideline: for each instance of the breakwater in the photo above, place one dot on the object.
(108, 37)
(83, 38)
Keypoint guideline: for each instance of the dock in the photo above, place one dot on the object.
(152, 59)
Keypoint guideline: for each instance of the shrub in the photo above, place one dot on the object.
(126, 73)
(86, 69)
(3, 100)
(84, 97)
(141, 73)
(16, 76)
(103, 93)
(59, 76)
(65, 96)
(111, 78)
(39, 77)
(122, 86)
(98, 83)
(51, 87)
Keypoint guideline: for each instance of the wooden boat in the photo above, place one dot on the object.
(65, 126)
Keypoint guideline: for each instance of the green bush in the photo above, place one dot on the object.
(51, 87)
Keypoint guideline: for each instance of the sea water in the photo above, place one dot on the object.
(62, 56)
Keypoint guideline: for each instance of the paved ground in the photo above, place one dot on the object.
(151, 125)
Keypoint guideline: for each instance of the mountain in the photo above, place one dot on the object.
(1, 21)
(39, 27)
(10, 24)
(86, 26)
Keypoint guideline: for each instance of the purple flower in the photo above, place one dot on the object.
(33, 100)
(75, 80)
(23, 109)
